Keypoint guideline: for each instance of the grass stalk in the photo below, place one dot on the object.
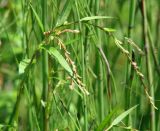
(85, 62)
(83, 71)
(44, 69)
(148, 62)
(108, 81)
(129, 69)
(101, 69)
(101, 94)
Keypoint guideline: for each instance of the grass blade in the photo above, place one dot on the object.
(37, 18)
(65, 12)
(55, 53)
(106, 120)
(121, 117)
(95, 18)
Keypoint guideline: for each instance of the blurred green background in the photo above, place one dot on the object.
(45, 101)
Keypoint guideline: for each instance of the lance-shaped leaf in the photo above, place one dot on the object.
(106, 120)
(120, 117)
(95, 18)
(37, 18)
(55, 53)
(23, 65)
(65, 12)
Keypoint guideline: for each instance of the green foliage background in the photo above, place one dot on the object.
(53, 52)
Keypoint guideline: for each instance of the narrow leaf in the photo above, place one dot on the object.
(109, 29)
(121, 117)
(95, 18)
(37, 18)
(106, 120)
(55, 53)
(65, 12)
(22, 65)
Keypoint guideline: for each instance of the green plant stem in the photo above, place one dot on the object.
(129, 69)
(44, 69)
(158, 28)
(131, 17)
(153, 52)
(83, 72)
(100, 90)
(108, 80)
(148, 62)
(101, 71)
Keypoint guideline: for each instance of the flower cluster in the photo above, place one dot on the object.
(136, 68)
(75, 78)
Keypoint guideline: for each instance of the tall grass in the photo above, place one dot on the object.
(79, 65)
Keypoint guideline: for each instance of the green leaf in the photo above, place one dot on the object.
(55, 53)
(106, 120)
(121, 117)
(109, 29)
(127, 128)
(95, 18)
(22, 65)
(37, 18)
(65, 12)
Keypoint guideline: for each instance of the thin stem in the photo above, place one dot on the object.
(106, 61)
(152, 51)
(148, 62)
(108, 73)
(101, 83)
(83, 72)
(44, 69)
(129, 69)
